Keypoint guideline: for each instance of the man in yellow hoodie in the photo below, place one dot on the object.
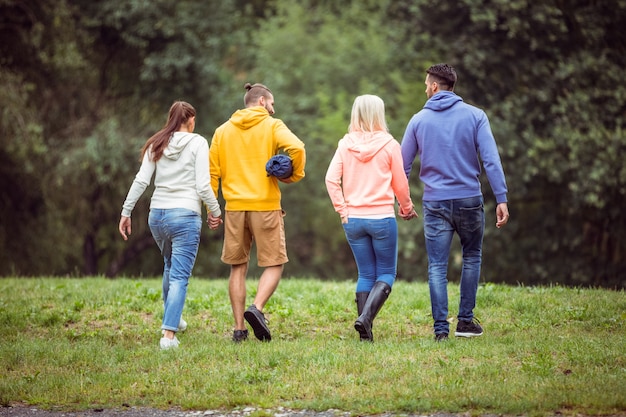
(239, 151)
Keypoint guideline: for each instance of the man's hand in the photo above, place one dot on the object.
(502, 215)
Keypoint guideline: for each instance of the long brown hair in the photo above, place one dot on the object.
(180, 113)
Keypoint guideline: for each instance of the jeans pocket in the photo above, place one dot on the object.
(184, 223)
(472, 218)
(434, 220)
(383, 228)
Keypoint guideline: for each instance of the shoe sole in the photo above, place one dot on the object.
(240, 338)
(360, 327)
(461, 334)
(261, 331)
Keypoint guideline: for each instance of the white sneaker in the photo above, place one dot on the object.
(182, 326)
(168, 343)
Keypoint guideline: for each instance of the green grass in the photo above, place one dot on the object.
(76, 344)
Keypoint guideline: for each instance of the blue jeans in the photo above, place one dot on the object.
(442, 219)
(374, 244)
(177, 233)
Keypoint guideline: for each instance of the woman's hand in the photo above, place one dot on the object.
(125, 227)
(214, 222)
(410, 215)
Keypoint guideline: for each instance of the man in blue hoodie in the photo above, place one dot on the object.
(452, 138)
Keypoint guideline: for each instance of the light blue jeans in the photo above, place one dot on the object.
(177, 233)
(374, 244)
(442, 219)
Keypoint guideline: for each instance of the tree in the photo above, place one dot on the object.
(549, 74)
(336, 52)
(101, 76)
(85, 83)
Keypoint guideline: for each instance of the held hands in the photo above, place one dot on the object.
(214, 222)
(410, 215)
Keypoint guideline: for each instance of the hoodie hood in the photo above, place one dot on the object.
(441, 101)
(178, 142)
(364, 145)
(249, 117)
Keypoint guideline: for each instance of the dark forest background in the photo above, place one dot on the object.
(84, 83)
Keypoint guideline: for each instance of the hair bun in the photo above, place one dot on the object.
(248, 86)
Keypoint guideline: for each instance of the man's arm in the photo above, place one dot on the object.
(409, 148)
(214, 163)
(294, 147)
(491, 159)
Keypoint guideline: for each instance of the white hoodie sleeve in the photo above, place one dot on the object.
(141, 182)
(203, 179)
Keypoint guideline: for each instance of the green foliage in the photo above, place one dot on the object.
(161, 51)
(334, 56)
(79, 344)
(549, 77)
(22, 157)
(85, 83)
(99, 74)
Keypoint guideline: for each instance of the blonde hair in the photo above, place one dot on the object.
(368, 114)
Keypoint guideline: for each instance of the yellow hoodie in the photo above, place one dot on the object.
(239, 150)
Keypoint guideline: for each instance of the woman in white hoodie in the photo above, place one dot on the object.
(363, 180)
(179, 161)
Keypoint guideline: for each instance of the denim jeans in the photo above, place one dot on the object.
(374, 244)
(442, 219)
(177, 233)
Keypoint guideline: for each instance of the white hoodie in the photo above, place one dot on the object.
(182, 177)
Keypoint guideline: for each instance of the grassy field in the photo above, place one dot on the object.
(76, 344)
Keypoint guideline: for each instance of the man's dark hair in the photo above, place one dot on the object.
(254, 92)
(443, 74)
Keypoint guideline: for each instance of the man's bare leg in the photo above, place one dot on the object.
(267, 285)
(237, 293)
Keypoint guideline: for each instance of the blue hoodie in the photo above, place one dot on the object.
(452, 137)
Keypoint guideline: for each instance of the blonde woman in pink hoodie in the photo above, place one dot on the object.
(365, 177)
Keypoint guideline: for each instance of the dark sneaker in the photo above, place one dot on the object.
(441, 337)
(240, 335)
(468, 329)
(257, 321)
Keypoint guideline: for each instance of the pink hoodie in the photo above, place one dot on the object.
(371, 168)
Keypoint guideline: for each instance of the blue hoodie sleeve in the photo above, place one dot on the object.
(490, 157)
(409, 147)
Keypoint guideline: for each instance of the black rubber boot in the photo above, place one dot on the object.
(375, 301)
(361, 298)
